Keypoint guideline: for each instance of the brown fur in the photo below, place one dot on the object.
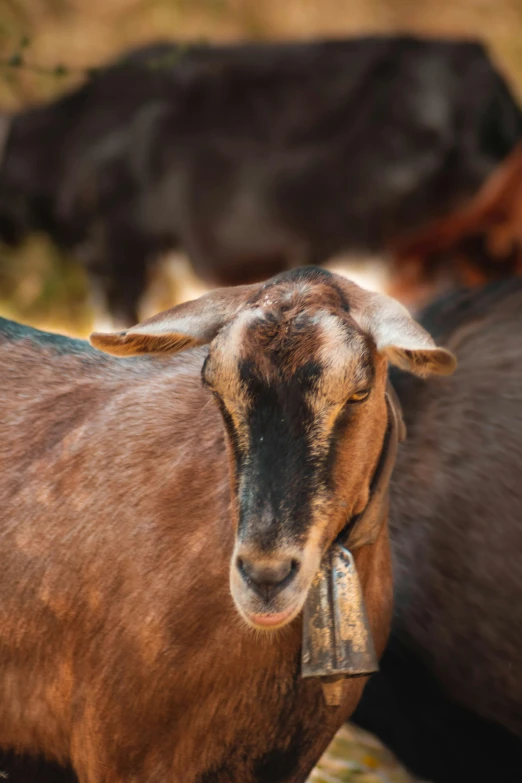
(475, 245)
(121, 649)
(447, 699)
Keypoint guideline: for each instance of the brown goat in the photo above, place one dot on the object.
(131, 586)
(480, 243)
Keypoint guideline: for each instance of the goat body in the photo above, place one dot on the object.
(116, 528)
(447, 699)
(254, 158)
(128, 567)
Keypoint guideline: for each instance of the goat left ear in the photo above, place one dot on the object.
(404, 341)
(182, 327)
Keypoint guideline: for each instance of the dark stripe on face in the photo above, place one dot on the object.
(342, 298)
(233, 437)
(279, 476)
(326, 466)
(326, 473)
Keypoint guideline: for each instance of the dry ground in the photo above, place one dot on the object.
(357, 757)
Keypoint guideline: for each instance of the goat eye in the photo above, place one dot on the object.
(359, 396)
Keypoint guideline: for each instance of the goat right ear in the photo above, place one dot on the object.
(397, 335)
(189, 324)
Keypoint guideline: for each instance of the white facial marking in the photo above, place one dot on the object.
(235, 333)
(335, 351)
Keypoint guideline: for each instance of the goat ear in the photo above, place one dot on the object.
(182, 327)
(405, 342)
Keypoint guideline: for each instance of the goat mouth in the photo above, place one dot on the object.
(270, 619)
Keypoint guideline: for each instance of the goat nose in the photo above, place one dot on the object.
(267, 580)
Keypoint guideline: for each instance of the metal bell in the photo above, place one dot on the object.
(337, 640)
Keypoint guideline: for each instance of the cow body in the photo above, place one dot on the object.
(254, 158)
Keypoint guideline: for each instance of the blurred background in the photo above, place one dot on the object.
(48, 46)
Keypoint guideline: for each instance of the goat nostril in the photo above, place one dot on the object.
(265, 579)
(240, 565)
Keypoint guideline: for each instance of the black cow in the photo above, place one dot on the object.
(254, 157)
(448, 698)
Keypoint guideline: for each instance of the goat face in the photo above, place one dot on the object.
(301, 391)
(298, 368)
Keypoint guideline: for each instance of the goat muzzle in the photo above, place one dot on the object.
(337, 640)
